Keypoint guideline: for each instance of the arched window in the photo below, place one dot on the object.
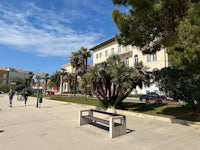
(126, 61)
(136, 59)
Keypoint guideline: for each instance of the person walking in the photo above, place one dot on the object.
(10, 94)
(25, 97)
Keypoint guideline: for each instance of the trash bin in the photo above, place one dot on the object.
(40, 100)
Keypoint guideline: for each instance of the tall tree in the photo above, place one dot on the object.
(172, 24)
(79, 61)
(186, 87)
(46, 78)
(30, 78)
(185, 54)
(150, 24)
(76, 63)
(55, 79)
(85, 54)
(63, 74)
(70, 80)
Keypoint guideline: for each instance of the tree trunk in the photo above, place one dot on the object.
(75, 82)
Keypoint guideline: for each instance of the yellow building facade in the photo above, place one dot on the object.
(131, 55)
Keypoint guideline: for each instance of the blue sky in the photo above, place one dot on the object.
(39, 35)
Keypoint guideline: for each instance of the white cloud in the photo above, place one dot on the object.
(45, 32)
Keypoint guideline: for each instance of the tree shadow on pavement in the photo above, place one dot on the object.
(140, 107)
(183, 113)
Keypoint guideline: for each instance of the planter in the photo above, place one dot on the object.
(111, 110)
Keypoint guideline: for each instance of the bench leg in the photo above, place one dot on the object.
(118, 130)
(83, 121)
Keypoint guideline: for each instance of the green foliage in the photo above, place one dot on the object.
(152, 25)
(112, 81)
(79, 61)
(4, 88)
(20, 84)
(185, 54)
(29, 90)
(172, 24)
(70, 80)
(93, 102)
(186, 87)
(171, 111)
(149, 21)
(55, 79)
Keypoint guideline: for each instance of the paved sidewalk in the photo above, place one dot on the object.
(54, 126)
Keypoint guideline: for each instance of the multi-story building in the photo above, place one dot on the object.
(4, 76)
(65, 86)
(131, 55)
(7, 75)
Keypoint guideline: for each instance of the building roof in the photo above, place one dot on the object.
(65, 66)
(21, 71)
(102, 44)
(68, 65)
(3, 69)
(13, 69)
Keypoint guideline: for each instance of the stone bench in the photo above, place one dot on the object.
(115, 122)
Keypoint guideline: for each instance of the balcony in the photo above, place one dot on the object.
(126, 54)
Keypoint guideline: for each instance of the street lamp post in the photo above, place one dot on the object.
(38, 86)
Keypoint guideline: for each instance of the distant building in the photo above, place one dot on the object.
(4, 74)
(70, 69)
(65, 85)
(7, 75)
(131, 55)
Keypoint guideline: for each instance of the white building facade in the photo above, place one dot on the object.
(131, 55)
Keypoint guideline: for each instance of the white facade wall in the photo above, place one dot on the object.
(129, 54)
(69, 69)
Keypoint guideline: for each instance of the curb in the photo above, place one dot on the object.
(165, 119)
(123, 112)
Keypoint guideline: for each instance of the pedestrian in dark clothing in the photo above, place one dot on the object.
(10, 94)
(25, 97)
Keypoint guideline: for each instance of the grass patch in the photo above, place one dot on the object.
(170, 111)
(88, 101)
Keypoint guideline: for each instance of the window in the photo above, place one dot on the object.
(100, 55)
(119, 49)
(112, 51)
(3, 82)
(136, 60)
(96, 56)
(126, 60)
(147, 91)
(148, 58)
(4, 76)
(154, 57)
(106, 53)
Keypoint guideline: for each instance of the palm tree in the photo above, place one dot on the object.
(63, 74)
(46, 78)
(55, 79)
(144, 77)
(79, 62)
(112, 81)
(76, 62)
(30, 78)
(85, 54)
(70, 80)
